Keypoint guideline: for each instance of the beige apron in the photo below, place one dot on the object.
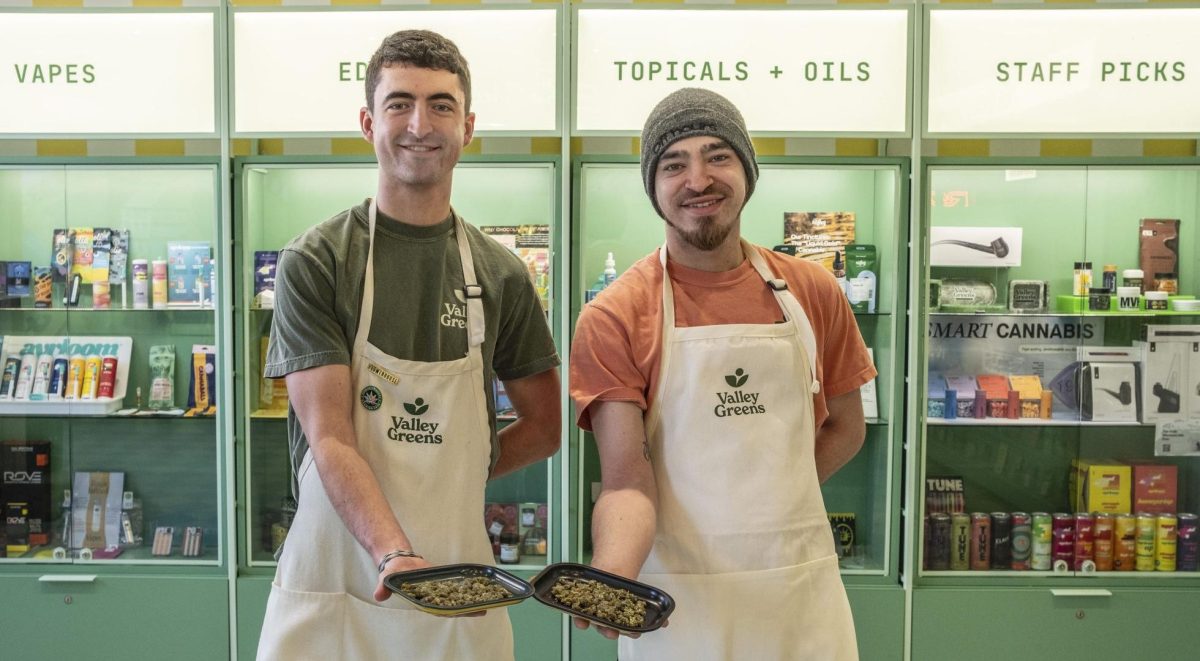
(422, 427)
(743, 542)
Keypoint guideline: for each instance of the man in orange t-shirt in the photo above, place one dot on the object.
(720, 398)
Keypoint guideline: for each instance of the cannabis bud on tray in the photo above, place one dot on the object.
(601, 601)
(455, 592)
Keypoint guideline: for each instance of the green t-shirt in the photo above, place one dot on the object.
(418, 311)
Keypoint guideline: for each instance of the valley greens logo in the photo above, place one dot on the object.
(416, 408)
(371, 398)
(414, 429)
(737, 379)
(736, 401)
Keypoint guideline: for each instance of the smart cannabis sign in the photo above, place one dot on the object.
(107, 73)
(1064, 71)
(796, 70)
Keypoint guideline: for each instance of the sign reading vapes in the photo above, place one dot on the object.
(304, 72)
(69, 73)
(1064, 71)
(827, 71)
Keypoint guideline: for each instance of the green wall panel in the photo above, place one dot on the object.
(252, 594)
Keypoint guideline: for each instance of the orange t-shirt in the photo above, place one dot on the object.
(617, 348)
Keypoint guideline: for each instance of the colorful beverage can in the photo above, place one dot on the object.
(939, 541)
(1125, 542)
(1001, 540)
(108, 377)
(1063, 546)
(1165, 542)
(1022, 540)
(1144, 542)
(91, 377)
(1085, 542)
(8, 386)
(1188, 554)
(981, 541)
(960, 541)
(101, 295)
(58, 378)
(1105, 526)
(25, 376)
(1042, 541)
(75, 367)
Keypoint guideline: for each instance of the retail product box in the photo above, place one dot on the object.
(74, 346)
(1171, 373)
(25, 471)
(1108, 383)
(820, 236)
(936, 401)
(995, 388)
(96, 510)
(189, 271)
(272, 393)
(975, 246)
(945, 493)
(264, 278)
(1100, 485)
(844, 533)
(17, 277)
(964, 388)
(1155, 487)
(1158, 249)
(1029, 393)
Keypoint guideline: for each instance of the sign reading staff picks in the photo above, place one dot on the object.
(110, 73)
(790, 70)
(1064, 71)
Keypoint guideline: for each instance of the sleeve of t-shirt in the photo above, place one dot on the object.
(602, 364)
(305, 332)
(845, 363)
(524, 343)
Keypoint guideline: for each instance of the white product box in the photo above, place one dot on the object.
(1109, 383)
(1171, 373)
(975, 246)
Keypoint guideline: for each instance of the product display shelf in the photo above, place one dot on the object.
(611, 213)
(1066, 212)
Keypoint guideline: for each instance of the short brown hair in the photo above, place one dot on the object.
(418, 48)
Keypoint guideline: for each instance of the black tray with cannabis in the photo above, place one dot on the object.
(602, 598)
(459, 588)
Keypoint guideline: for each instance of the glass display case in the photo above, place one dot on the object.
(514, 200)
(111, 436)
(613, 216)
(1057, 391)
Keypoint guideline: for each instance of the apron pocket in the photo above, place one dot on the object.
(302, 625)
(375, 631)
(799, 612)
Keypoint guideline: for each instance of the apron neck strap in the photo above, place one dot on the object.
(792, 310)
(476, 326)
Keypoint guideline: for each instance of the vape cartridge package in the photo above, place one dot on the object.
(162, 376)
(202, 395)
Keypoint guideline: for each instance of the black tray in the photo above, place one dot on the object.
(659, 604)
(518, 590)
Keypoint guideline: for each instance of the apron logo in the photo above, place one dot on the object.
(737, 402)
(383, 374)
(737, 379)
(416, 408)
(453, 315)
(371, 398)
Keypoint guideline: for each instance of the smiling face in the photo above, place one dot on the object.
(700, 185)
(418, 124)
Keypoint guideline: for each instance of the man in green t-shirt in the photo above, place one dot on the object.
(391, 320)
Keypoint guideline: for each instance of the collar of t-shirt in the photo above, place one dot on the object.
(393, 227)
(734, 276)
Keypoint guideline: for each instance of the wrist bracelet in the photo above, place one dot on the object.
(398, 553)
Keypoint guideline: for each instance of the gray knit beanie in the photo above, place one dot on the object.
(688, 112)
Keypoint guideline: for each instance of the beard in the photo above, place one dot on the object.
(707, 237)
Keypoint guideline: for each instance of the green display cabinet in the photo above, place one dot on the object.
(276, 198)
(613, 215)
(1043, 415)
(114, 455)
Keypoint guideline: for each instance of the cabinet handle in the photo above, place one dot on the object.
(67, 578)
(1080, 593)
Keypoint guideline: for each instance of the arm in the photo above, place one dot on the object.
(841, 437)
(322, 399)
(625, 516)
(534, 435)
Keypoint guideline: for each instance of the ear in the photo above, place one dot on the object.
(367, 124)
(469, 129)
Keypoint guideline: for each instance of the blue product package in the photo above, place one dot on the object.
(188, 272)
(264, 274)
(18, 275)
